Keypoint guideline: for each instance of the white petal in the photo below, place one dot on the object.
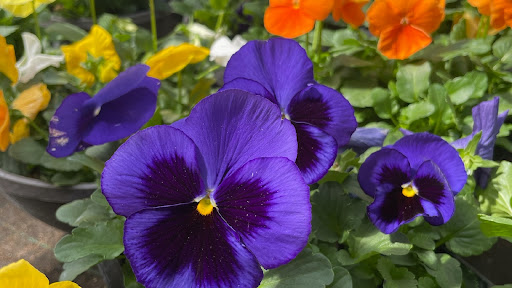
(33, 65)
(31, 43)
(223, 48)
(201, 31)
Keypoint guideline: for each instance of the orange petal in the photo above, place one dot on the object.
(316, 9)
(427, 15)
(287, 22)
(4, 123)
(402, 41)
(32, 100)
(483, 6)
(385, 14)
(508, 16)
(498, 13)
(8, 61)
(350, 11)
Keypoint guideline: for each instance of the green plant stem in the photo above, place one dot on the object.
(92, 7)
(307, 43)
(483, 27)
(220, 20)
(39, 130)
(317, 37)
(153, 24)
(36, 20)
(180, 88)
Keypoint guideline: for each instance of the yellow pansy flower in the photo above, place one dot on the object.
(22, 8)
(174, 58)
(20, 130)
(4, 123)
(8, 60)
(98, 44)
(22, 274)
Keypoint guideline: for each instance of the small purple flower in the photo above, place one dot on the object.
(487, 120)
(280, 70)
(212, 197)
(118, 110)
(417, 176)
(364, 138)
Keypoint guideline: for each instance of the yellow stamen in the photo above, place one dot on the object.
(408, 190)
(296, 4)
(205, 206)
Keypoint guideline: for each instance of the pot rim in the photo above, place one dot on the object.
(41, 184)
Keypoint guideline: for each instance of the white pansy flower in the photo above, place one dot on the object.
(201, 31)
(33, 61)
(223, 48)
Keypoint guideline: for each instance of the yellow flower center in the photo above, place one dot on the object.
(296, 4)
(205, 206)
(408, 190)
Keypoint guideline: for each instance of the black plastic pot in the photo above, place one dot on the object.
(41, 199)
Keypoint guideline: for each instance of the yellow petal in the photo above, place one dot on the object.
(22, 275)
(8, 60)
(4, 123)
(64, 284)
(99, 44)
(174, 58)
(20, 130)
(32, 100)
(22, 8)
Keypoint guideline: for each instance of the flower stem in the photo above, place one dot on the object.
(220, 20)
(43, 133)
(180, 88)
(317, 37)
(483, 27)
(92, 7)
(307, 43)
(153, 24)
(36, 20)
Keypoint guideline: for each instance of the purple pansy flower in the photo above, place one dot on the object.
(212, 197)
(280, 70)
(365, 138)
(417, 176)
(487, 120)
(118, 110)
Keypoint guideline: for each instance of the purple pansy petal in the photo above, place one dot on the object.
(122, 117)
(326, 109)
(280, 65)
(249, 86)
(432, 186)
(487, 120)
(317, 151)
(268, 208)
(233, 127)
(462, 142)
(391, 209)
(382, 171)
(128, 80)
(68, 125)
(421, 147)
(364, 138)
(155, 167)
(175, 246)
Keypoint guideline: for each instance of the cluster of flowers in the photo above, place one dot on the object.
(214, 196)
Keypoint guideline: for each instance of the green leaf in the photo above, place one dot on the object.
(367, 241)
(359, 96)
(493, 226)
(79, 266)
(446, 271)
(8, 30)
(423, 237)
(83, 159)
(416, 111)
(384, 105)
(335, 213)
(201, 90)
(342, 278)
(501, 49)
(219, 4)
(471, 85)
(426, 282)
(65, 31)
(395, 277)
(27, 150)
(412, 80)
(98, 198)
(307, 270)
(104, 239)
(462, 233)
(496, 199)
(60, 164)
(82, 212)
(333, 176)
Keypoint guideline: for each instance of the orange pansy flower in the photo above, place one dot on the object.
(351, 11)
(404, 26)
(293, 18)
(501, 14)
(4, 123)
(483, 6)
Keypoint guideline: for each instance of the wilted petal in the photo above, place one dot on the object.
(268, 208)
(233, 127)
(326, 109)
(316, 153)
(432, 186)
(421, 147)
(175, 246)
(155, 167)
(280, 65)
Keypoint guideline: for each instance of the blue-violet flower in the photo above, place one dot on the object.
(280, 70)
(118, 110)
(212, 197)
(417, 176)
